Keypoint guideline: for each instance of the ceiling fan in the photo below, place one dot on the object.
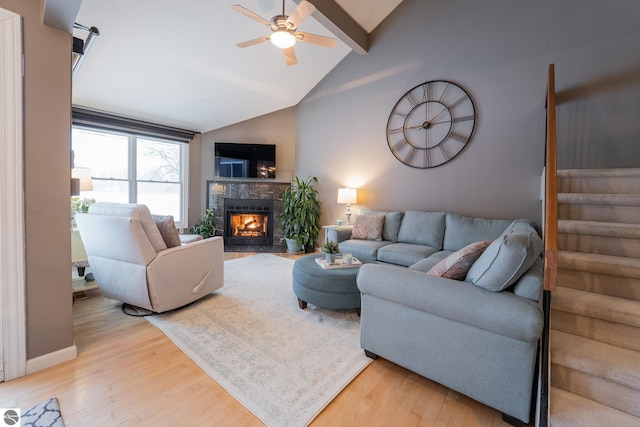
(284, 32)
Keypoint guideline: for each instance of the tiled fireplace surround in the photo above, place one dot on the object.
(220, 189)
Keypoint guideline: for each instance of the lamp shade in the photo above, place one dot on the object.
(84, 175)
(347, 195)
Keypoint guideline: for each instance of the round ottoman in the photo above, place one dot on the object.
(331, 288)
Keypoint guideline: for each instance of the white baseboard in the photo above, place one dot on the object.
(51, 359)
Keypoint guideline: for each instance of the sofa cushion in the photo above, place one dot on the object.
(366, 249)
(391, 226)
(405, 254)
(168, 230)
(461, 231)
(132, 210)
(425, 265)
(531, 284)
(368, 227)
(456, 265)
(422, 228)
(507, 258)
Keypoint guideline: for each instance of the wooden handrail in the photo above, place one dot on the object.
(551, 190)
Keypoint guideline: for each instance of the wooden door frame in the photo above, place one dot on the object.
(12, 224)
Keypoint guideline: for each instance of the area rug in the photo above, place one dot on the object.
(282, 363)
(46, 414)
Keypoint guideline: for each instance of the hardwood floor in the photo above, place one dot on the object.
(129, 373)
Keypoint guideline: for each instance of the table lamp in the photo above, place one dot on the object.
(347, 195)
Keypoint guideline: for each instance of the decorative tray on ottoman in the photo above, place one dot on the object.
(322, 262)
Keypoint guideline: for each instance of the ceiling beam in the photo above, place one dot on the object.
(341, 24)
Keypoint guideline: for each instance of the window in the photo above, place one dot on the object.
(127, 168)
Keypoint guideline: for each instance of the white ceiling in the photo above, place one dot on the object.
(176, 63)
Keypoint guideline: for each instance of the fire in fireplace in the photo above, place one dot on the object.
(248, 222)
(249, 225)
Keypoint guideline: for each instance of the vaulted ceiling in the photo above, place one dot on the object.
(176, 63)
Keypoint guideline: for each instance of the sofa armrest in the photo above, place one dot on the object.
(179, 273)
(499, 312)
(185, 239)
(339, 233)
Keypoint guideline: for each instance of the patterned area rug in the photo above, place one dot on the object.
(46, 414)
(282, 363)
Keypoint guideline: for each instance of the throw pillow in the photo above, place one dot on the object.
(168, 230)
(368, 227)
(456, 265)
(506, 259)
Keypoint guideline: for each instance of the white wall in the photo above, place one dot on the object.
(499, 52)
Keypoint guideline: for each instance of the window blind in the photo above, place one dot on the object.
(110, 122)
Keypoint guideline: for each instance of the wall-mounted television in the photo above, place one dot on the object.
(236, 160)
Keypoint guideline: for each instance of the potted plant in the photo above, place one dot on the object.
(330, 248)
(300, 219)
(207, 226)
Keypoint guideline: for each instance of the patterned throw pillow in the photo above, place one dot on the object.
(168, 230)
(456, 265)
(368, 227)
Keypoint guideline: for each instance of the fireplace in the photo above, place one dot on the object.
(248, 222)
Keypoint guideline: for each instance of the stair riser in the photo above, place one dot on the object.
(602, 185)
(614, 246)
(623, 287)
(624, 336)
(604, 213)
(606, 392)
(568, 261)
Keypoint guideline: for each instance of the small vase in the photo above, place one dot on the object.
(330, 258)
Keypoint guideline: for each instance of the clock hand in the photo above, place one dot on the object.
(416, 127)
(439, 123)
(426, 125)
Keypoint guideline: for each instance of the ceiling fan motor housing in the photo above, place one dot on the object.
(280, 23)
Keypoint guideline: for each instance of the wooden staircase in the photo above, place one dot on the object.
(595, 311)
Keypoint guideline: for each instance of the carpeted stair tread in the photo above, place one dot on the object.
(602, 181)
(599, 173)
(570, 410)
(598, 228)
(613, 333)
(602, 264)
(605, 307)
(597, 359)
(599, 199)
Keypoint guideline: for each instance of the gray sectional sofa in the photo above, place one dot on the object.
(478, 335)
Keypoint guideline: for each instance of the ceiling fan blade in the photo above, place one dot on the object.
(253, 41)
(303, 10)
(316, 39)
(290, 56)
(246, 12)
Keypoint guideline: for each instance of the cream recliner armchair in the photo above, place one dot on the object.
(131, 262)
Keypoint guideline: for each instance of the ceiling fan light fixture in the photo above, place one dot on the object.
(283, 39)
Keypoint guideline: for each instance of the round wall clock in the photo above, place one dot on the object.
(431, 124)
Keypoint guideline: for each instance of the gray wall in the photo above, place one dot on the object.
(47, 166)
(499, 52)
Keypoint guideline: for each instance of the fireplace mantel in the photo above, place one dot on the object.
(226, 188)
